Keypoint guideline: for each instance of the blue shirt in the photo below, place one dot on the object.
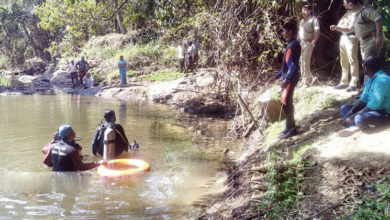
(376, 92)
(290, 65)
(82, 65)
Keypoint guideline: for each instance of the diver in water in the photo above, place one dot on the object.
(121, 142)
(64, 155)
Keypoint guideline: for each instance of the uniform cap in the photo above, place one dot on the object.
(64, 131)
(306, 5)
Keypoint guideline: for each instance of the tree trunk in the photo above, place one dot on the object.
(118, 20)
(120, 26)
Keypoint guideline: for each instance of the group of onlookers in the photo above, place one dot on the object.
(360, 26)
(82, 78)
(79, 74)
(188, 59)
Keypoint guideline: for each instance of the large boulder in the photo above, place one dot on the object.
(61, 77)
(26, 79)
(269, 103)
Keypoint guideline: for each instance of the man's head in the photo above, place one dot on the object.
(72, 62)
(121, 57)
(82, 58)
(346, 4)
(66, 133)
(306, 10)
(190, 43)
(109, 116)
(371, 65)
(355, 5)
(289, 30)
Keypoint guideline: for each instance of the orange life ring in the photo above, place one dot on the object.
(122, 167)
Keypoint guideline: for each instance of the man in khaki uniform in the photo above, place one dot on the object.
(368, 29)
(309, 31)
(348, 49)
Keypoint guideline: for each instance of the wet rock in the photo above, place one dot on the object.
(198, 107)
(163, 99)
(60, 77)
(26, 79)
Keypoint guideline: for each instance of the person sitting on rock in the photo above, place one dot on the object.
(373, 107)
(64, 155)
(121, 142)
(88, 81)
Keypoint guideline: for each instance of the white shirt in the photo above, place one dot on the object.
(72, 68)
(180, 52)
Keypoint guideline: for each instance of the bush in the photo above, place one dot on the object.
(3, 62)
(164, 75)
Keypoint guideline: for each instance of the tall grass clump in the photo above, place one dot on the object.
(3, 62)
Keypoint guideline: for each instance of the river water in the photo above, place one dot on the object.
(182, 170)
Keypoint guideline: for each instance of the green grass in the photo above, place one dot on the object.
(3, 62)
(273, 132)
(157, 53)
(113, 75)
(164, 75)
(310, 100)
(284, 182)
(376, 202)
(5, 82)
(131, 73)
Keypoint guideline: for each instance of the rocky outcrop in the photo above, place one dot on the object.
(60, 77)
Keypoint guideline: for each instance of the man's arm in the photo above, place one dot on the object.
(78, 163)
(122, 132)
(341, 29)
(379, 35)
(316, 31)
(356, 108)
(47, 159)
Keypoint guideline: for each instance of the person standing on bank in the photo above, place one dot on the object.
(73, 74)
(190, 58)
(83, 67)
(121, 142)
(289, 75)
(348, 49)
(368, 28)
(122, 65)
(64, 155)
(309, 31)
(180, 55)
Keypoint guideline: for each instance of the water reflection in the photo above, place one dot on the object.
(180, 170)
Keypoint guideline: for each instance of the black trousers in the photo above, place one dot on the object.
(289, 107)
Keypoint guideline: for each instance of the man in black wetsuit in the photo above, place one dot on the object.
(64, 155)
(121, 142)
(289, 75)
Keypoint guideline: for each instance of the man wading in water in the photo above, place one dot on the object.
(289, 76)
(64, 155)
(121, 142)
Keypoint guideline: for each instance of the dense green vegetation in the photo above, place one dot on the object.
(241, 35)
